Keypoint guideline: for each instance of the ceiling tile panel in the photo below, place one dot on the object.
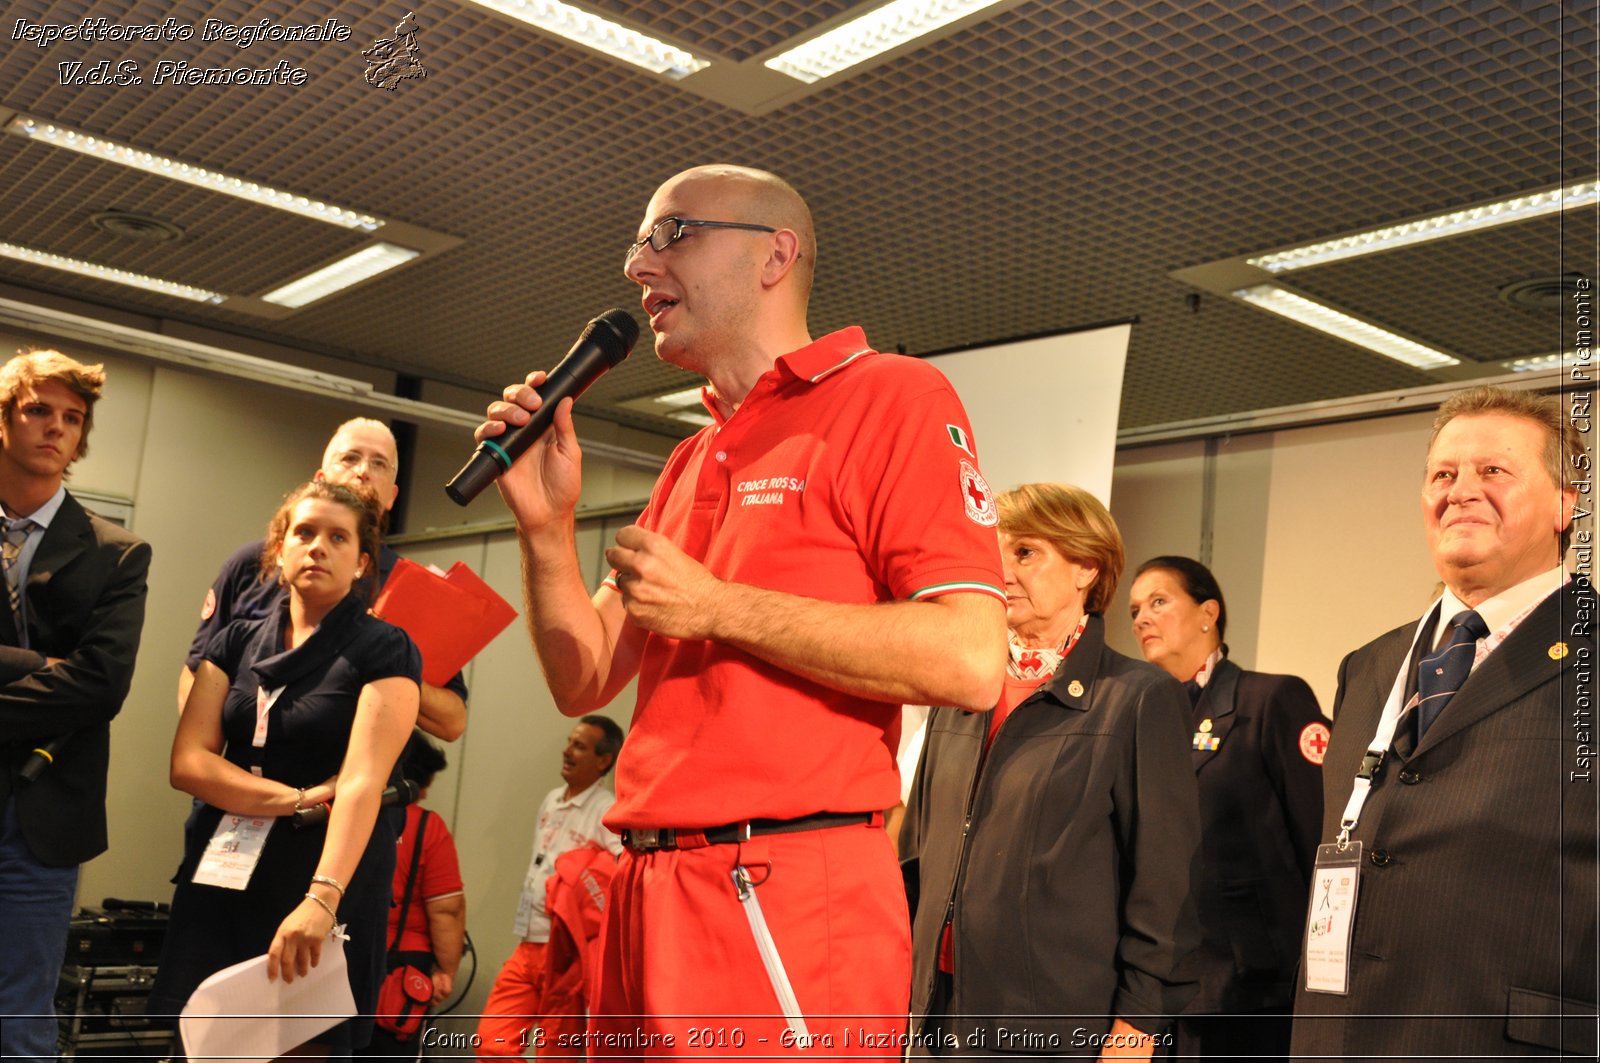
(1045, 167)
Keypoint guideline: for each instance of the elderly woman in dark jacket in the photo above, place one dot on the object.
(1050, 845)
(1257, 751)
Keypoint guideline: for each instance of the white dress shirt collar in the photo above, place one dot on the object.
(47, 512)
(1504, 607)
(579, 799)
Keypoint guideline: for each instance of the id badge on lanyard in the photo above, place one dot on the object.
(1336, 876)
(532, 899)
(1331, 922)
(233, 852)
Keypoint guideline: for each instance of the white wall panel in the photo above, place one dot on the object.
(1345, 557)
(1156, 499)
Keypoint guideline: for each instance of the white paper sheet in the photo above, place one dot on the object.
(237, 1015)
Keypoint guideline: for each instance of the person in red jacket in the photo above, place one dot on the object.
(576, 901)
(436, 918)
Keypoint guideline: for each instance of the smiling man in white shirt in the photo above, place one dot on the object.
(569, 818)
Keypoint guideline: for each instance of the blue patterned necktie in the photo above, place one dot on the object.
(1441, 673)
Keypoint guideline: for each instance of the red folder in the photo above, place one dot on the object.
(450, 617)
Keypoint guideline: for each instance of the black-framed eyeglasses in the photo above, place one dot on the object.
(664, 232)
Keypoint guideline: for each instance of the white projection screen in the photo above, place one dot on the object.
(1044, 409)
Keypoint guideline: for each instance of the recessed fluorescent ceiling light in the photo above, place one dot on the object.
(1543, 361)
(1336, 323)
(178, 170)
(106, 273)
(352, 269)
(688, 398)
(1516, 208)
(872, 34)
(687, 405)
(602, 35)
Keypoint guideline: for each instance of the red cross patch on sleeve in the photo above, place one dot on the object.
(976, 495)
(210, 606)
(1314, 742)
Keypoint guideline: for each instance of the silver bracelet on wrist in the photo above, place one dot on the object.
(329, 880)
(313, 897)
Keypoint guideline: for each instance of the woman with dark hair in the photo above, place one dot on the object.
(1049, 845)
(427, 868)
(1257, 744)
(308, 706)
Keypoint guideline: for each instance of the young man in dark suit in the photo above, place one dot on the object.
(68, 635)
(1474, 849)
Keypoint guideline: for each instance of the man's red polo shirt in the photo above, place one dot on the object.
(845, 475)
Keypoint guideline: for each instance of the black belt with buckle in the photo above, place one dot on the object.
(652, 839)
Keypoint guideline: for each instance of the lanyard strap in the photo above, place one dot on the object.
(1383, 738)
(411, 883)
(547, 838)
(265, 699)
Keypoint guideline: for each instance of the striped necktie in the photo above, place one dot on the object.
(15, 534)
(1440, 674)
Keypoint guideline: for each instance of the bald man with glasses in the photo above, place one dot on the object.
(361, 452)
(821, 554)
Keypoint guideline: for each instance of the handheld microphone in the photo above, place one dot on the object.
(113, 904)
(605, 342)
(402, 793)
(40, 759)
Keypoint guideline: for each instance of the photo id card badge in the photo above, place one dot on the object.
(233, 851)
(524, 912)
(1331, 923)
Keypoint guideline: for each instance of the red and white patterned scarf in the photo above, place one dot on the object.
(1030, 662)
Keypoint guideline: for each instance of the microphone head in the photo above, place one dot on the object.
(616, 331)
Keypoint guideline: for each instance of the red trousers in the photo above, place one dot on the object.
(508, 1025)
(682, 973)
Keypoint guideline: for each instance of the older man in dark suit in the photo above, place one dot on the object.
(68, 634)
(1458, 778)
